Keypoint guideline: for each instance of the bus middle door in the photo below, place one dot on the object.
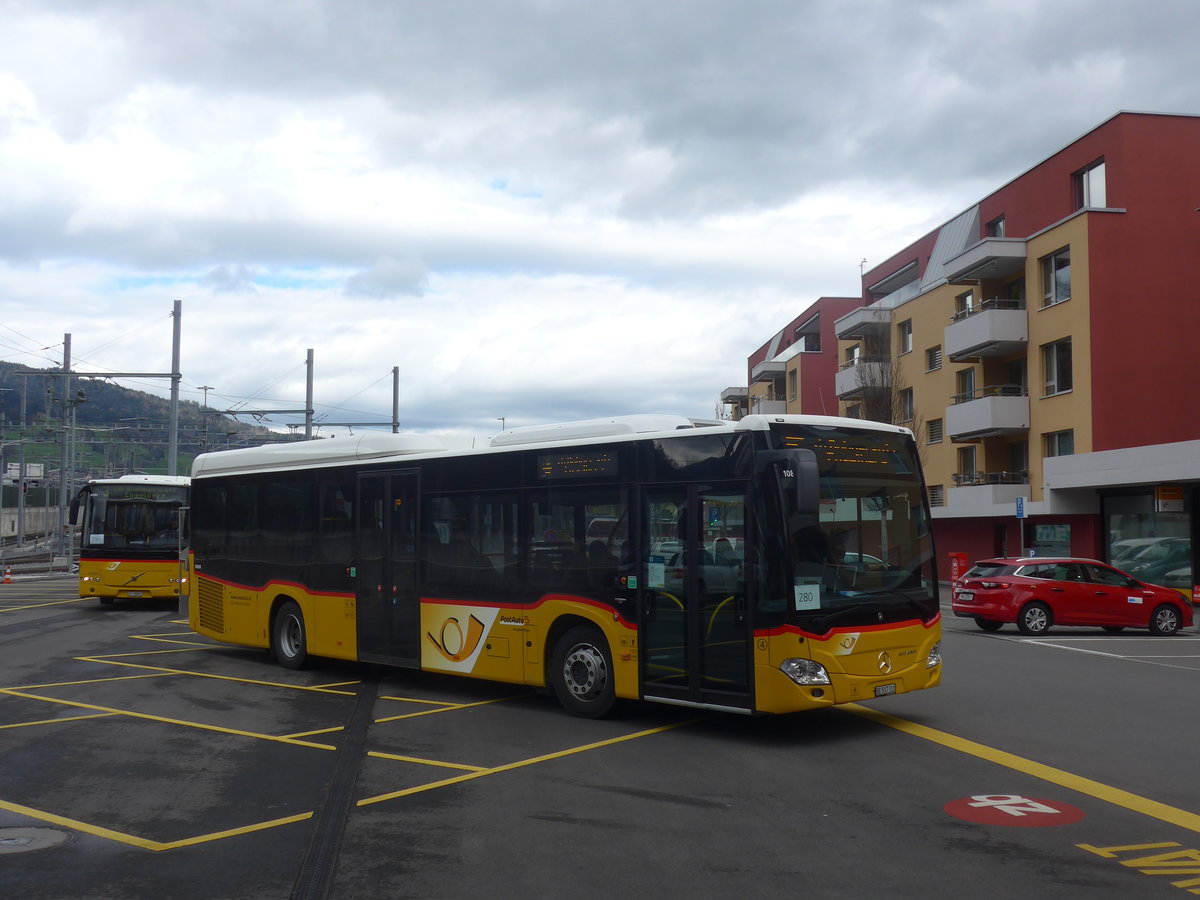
(694, 637)
(386, 567)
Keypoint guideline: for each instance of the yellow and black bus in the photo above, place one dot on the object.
(768, 565)
(132, 537)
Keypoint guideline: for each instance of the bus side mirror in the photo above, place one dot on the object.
(796, 474)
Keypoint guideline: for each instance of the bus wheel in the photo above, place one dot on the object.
(288, 637)
(1034, 619)
(1164, 620)
(107, 601)
(582, 674)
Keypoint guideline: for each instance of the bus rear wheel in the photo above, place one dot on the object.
(289, 639)
(581, 672)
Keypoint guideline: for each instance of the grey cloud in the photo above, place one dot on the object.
(390, 277)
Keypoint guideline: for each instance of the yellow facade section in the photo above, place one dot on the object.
(1071, 410)
(916, 339)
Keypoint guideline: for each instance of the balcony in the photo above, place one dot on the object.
(735, 395)
(991, 258)
(992, 411)
(994, 328)
(759, 407)
(975, 479)
(986, 493)
(768, 370)
(863, 322)
(858, 376)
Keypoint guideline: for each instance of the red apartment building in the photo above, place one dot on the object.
(1042, 346)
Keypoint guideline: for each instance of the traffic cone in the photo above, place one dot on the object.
(8, 575)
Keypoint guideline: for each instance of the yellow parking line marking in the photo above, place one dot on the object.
(86, 828)
(304, 734)
(55, 721)
(37, 605)
(412, 700)
(51, 684)
(163, 670)
(168, 721)
(508, 767)
(1115, 796)
(447, 707)
(144, 843)
(426, 762)
(234, 832)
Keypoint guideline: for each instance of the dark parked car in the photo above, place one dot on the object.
(1037, 592)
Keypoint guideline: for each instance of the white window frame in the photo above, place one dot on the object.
(1052, 293)
(1052, 359)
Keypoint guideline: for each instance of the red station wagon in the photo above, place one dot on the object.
(1037, 592)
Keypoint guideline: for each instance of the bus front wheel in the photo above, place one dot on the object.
(582, 674)
(289, 638)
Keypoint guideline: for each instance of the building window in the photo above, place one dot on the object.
(905, 329)
(907, 408)
(937, 495)
(1056, 363)
(934, 432)
(964, 380)
(964, 305)
(854, 412)
(792, 384)
(933, 358)
(812, 343)
(852, 355)
(966, 465)
(1060, 443)
(1056, 277)
(1090, 189)
(1018, 457)
(995, 228)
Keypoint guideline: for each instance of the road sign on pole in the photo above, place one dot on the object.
(1020, 507)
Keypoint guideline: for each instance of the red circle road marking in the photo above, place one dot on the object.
(1013, 810)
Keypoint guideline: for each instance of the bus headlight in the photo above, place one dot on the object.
(804, 671)
(935, 656)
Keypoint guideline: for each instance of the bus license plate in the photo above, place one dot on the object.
(884, 690)
(133, 593)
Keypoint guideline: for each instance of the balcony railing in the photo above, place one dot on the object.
(861, 374)
(970, 479)
(993, 328)
(984, 306)
(998, 409)
(992, 390)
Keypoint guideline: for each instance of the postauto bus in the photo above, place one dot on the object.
(768, 565)
(132, 537)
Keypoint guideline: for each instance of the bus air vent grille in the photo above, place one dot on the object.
(211, 607)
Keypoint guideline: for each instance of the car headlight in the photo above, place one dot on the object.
(804, 671)
(935, 656)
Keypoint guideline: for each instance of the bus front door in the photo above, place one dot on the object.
(385, 568)
(694, 637)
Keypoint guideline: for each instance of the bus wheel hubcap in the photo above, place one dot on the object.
(585, 672)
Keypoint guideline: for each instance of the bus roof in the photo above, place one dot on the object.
(176, 480)
(374, 446)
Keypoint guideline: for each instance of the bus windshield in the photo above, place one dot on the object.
(867, 556)
(132, 517)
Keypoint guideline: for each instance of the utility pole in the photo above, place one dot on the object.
(173, 441)
(308, 397)
(64, 454)
(395, 399)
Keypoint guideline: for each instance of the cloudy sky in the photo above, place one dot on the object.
(540, 210)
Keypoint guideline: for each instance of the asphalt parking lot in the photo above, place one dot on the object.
(139, 760)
